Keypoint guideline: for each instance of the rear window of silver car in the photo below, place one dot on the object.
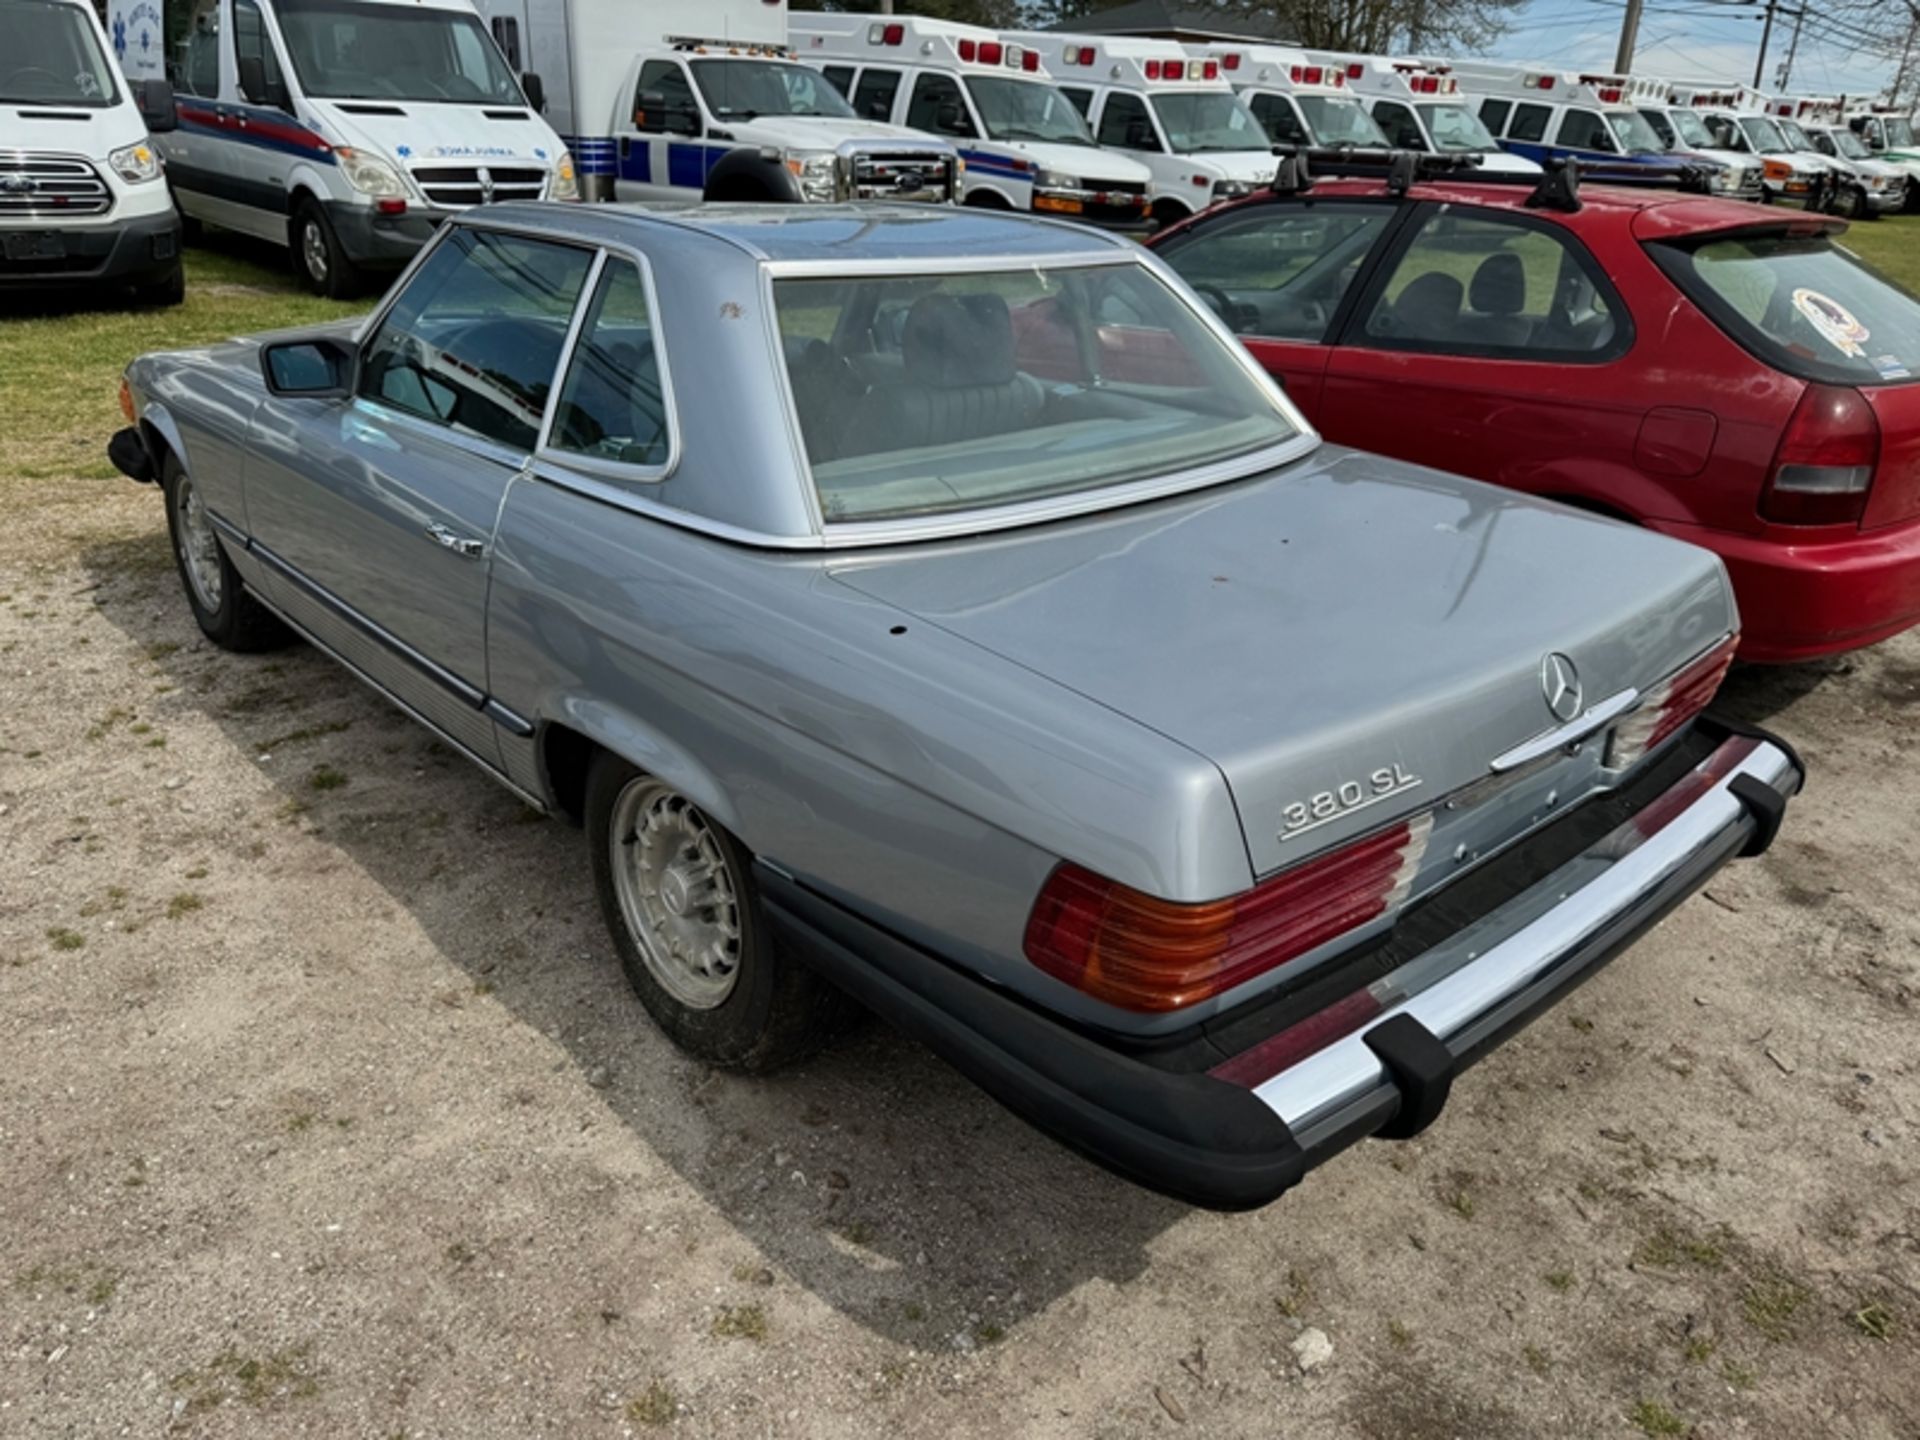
(1803, 305)
(929, 394)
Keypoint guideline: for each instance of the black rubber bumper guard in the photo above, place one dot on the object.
(1187, 1135)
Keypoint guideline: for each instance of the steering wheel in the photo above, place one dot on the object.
(1238, 317)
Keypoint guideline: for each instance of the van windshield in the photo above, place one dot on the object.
(1848, 144)
(1202, 120)
(52, 56)
(1026, 110)
(747, 89)
(344, 50)
(1900, 134)
(1336, 120)
(1796, 137)
(1764, 134)
(1692, 129)
(1455, 128)
(1637, 137)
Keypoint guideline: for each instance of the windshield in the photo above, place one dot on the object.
(342, 50)
(1802, 303)
(1764, 134)
(1455, 127)
(1197, 121)
(1026, 110)
(53, 57)
(920, 394)
(1336, 120)
(1796, 137)
(1692, 129)
(744, 89)
(1849, 144)
(1635, 134)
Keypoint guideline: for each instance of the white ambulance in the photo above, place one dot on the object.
(82, 197)
(350, 129)
(1683, 132)
(1175, 114)
(1300, 100)
(1420, 106)
(1025, 145)
(703, 99)
(1737, 120)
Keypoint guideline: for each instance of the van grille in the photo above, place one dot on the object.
(909, 176)
(457, 186)
(36, 187)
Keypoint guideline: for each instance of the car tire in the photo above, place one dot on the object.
(678, 896)
(1168, 213)
(318, 257)
(226, 612)
(163, 293)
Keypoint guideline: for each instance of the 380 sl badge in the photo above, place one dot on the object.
(1345, 798)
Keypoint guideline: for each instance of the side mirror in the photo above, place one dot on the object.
(535, 89)
(154, 98)
(317, 369)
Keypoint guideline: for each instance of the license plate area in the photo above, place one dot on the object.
(36, 245)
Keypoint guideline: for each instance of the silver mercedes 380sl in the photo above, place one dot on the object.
(940, 609)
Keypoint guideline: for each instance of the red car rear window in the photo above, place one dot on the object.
(1803, 304)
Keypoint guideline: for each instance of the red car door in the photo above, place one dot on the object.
(1276, 272)
(1492, 345)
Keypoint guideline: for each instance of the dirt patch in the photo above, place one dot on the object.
(328, 1112)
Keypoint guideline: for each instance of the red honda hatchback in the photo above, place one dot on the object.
(1722, 374)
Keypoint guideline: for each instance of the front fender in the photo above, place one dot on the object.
(307, 176)
(157, 424)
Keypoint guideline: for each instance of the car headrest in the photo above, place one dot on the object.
(1499, 285)
(955, 340)
(1428, 306)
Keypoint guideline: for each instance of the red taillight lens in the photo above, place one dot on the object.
(1030, 61)
(893, 34)
(1146, 954)
(1173, 70)
(1153, 69)
(1356, 70)
(967, 50)
(1212, 71)
(1824, 467)
(1232, 62)
(1671, 704)
(990, 52)
(1313, 75)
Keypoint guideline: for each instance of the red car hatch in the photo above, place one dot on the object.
(1895, 495)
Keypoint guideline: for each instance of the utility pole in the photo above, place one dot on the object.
(1766, 35)
(1629, 37)
(1793, 45)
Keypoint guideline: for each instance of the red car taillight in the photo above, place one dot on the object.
(1670, 705)
(1824, 467)
(1142, 953)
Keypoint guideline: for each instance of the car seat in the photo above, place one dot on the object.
(1498, 296)
(1428, 309)
(959, 379)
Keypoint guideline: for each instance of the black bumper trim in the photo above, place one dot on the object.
(131, 457)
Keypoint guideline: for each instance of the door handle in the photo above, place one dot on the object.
(464, 546)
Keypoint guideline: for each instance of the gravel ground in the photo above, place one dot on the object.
(326, 1111)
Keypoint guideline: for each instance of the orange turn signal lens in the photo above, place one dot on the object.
(126, 399)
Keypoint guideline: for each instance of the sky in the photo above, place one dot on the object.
(1708, 39)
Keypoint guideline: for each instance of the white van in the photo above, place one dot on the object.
(1301, 101)
(1173, 113)
(703, 99)
(1740, 176)
(1736, 120)
(349, 129)
(1419, 106)
(1025, 145)
(82, 197)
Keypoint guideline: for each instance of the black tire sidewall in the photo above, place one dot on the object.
(341, 280)
(217, 625)
(744, 1030)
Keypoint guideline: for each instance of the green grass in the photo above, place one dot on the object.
(61, 359)
(1891, 246)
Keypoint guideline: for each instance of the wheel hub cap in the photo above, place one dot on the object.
(313, 245)
(677, 893)
(199, 546)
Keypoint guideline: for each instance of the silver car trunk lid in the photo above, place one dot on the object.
(1342, 628)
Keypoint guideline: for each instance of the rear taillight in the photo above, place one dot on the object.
(1824, 467)
(1670, 705)
(1142, 953)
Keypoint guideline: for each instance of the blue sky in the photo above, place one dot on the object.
(1685, 39)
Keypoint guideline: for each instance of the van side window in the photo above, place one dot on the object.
(938, 105)
(663, 102)
(1279, 119)
(1125, 124)
(1584, 130)
(200, 70)
(1662, 126)
(1529, 122)
(251, 42)
(1493, 115)
(506, 34)
(1399, 123)
(873, 97)
(1080, 99)
(841, 78)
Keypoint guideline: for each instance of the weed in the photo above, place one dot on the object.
(1668, 1249)
(1399, 1335)
(1580, 1023)
(1560, 1280)
(654, 1405)
(740, 1322)
(161, 649)
(300, 1122)
(1461, 1203)
(1874, 1321)
(1698, 1349)
(1536, 1359)
(198, 872)
(1298, 1296)
(1739, 1376)
(325, 777)
(914, 1311)
(305, 732)
(1772, 1305)
(1653, 1418)
(259, 1381)
(461, 1253)
(65, 939)
(183, 904)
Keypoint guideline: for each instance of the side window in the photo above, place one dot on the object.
(1479, 285)
(254, 59)
(1280, 270)
(1279, 119)
(1124, 123)
(1080, 99)
(200, 68)
(1662, 126)
(841, 78)
(938, 105)
(1493, 114)
(612, 404)
(506, 34)
(1584, 130)
(663, 101)
(1399, 123)
(1823, 142)
(474, 339)
(1529, 122)
(873, 96)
